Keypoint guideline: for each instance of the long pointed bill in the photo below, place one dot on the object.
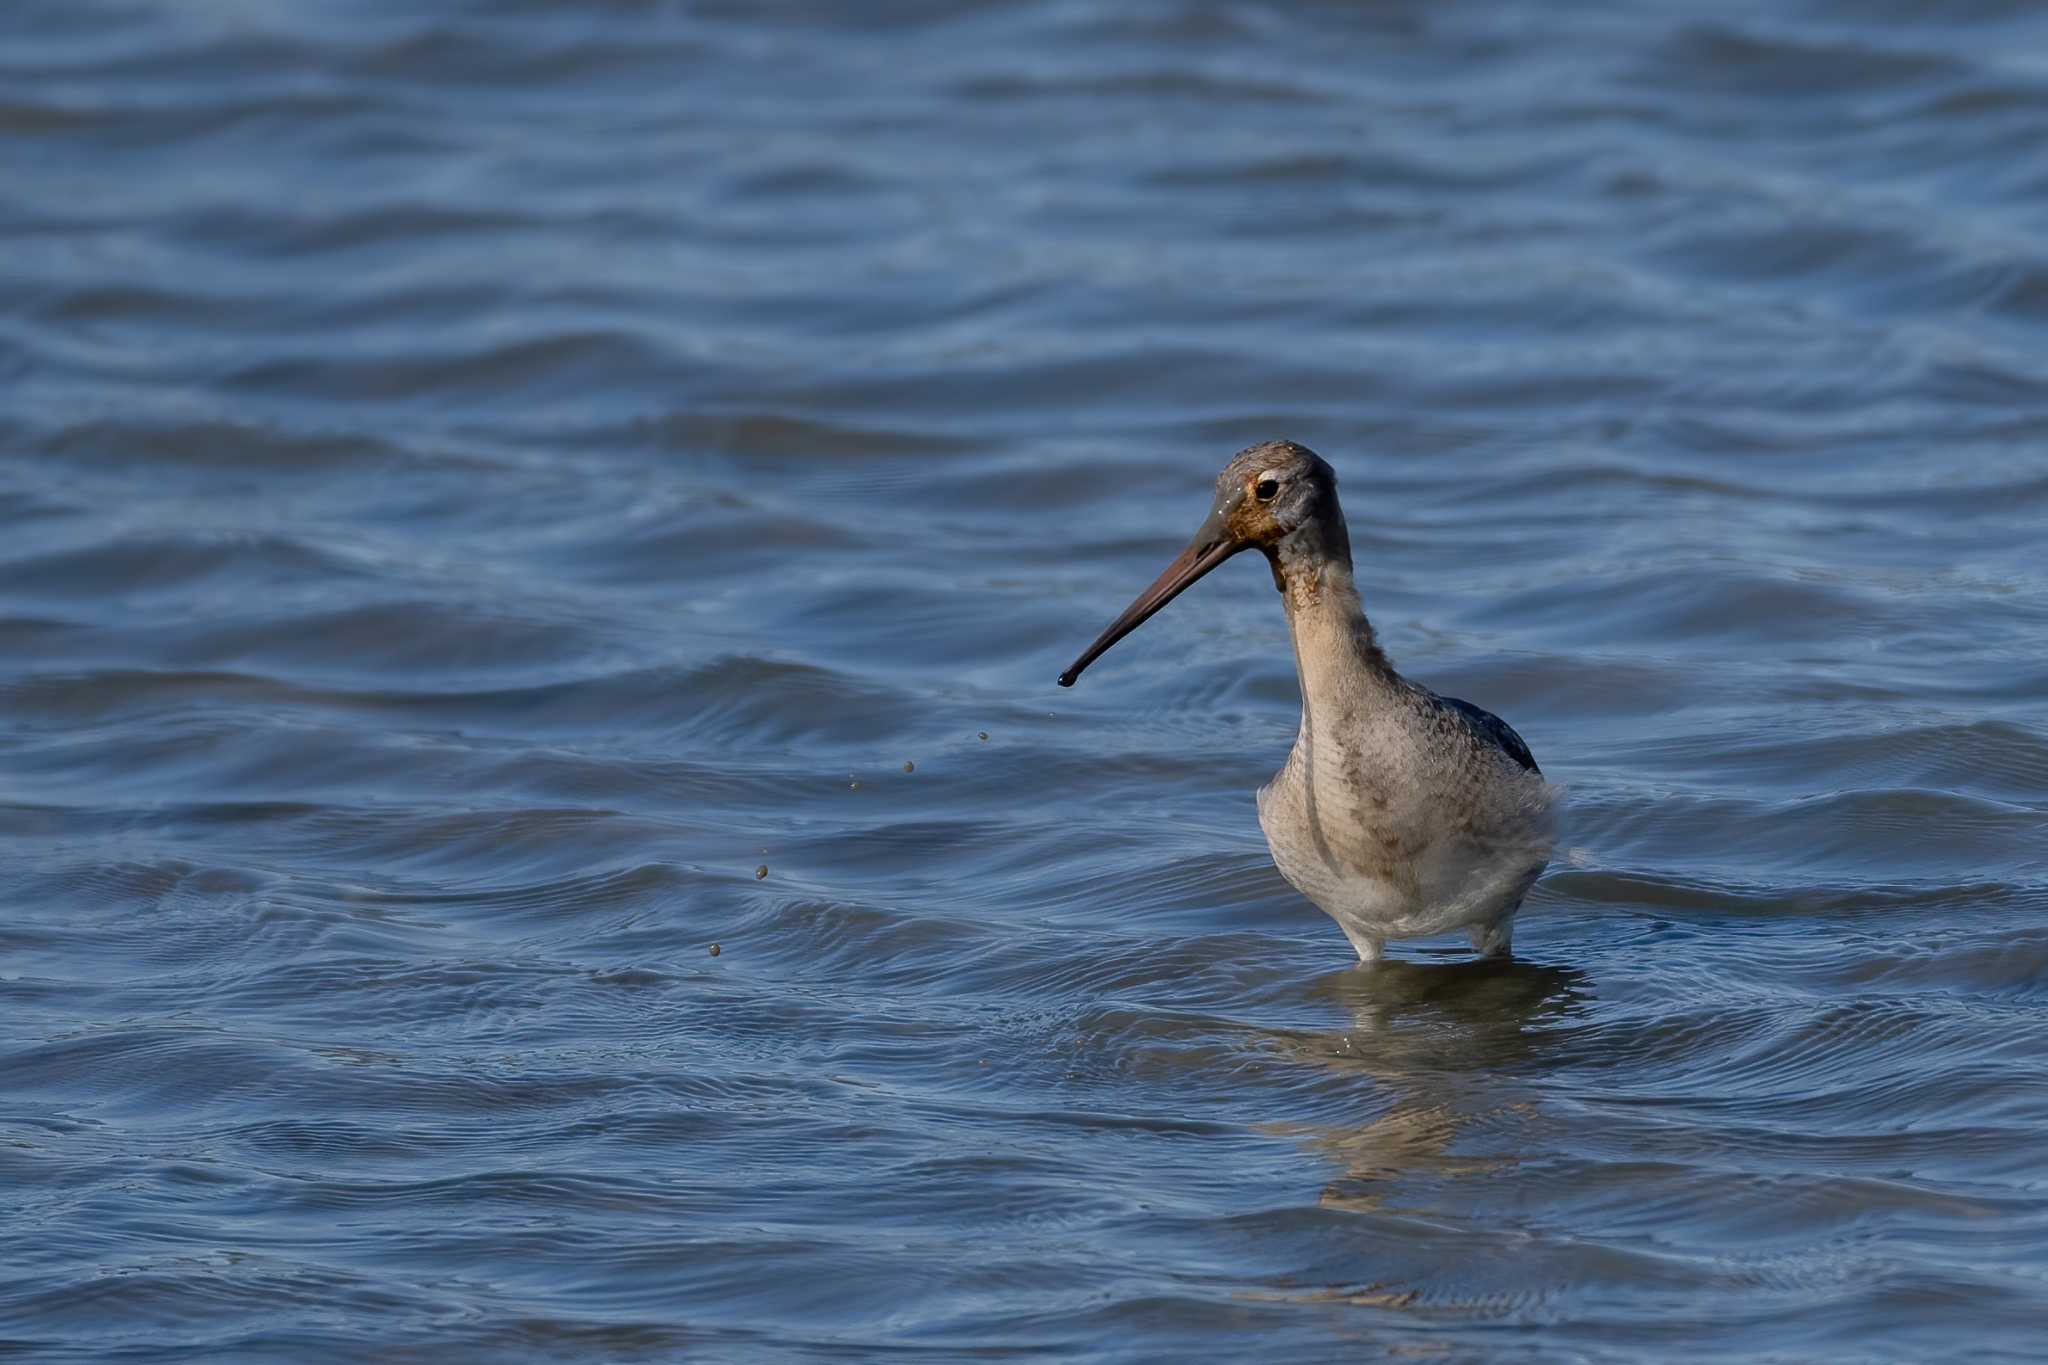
(1207, 551)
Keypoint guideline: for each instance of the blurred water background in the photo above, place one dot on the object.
(480, 481)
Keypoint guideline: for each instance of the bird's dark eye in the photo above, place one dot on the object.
(1266, 489)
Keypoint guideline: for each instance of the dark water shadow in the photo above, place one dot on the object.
(1451, 1051)
(1465, 1015)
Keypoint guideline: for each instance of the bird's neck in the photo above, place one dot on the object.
(1336, 655)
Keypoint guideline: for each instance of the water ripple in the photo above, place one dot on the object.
(536, 547)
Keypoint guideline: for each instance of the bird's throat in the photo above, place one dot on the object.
(1336, 654)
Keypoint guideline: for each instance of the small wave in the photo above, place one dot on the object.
(776, 435)
(169, 567)
(1192, 86)
(1717, 58)
(566, 360)
(240, 447)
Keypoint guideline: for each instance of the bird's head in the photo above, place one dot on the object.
(1266, 493)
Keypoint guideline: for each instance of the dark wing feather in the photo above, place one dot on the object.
(1495, 731)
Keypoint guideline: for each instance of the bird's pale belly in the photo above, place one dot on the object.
(1408, 870)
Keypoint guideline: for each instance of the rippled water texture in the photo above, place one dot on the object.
(480, 482)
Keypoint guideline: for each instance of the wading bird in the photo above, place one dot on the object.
(1400, 813)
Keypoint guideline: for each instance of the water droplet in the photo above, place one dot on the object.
(910, 767)
(760, 872)
(714, 950)
(984, 736)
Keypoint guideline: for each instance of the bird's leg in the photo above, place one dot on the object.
(1495, 940)
(1368, 946)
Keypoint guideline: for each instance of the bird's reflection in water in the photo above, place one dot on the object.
(1445, 1041)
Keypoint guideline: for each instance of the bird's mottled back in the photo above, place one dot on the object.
(1491, 729)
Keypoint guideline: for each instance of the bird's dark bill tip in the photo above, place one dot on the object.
(1067, 678)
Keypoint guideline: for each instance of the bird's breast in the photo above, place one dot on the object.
(1342, 821)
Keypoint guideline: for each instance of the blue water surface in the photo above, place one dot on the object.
(536, 540)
